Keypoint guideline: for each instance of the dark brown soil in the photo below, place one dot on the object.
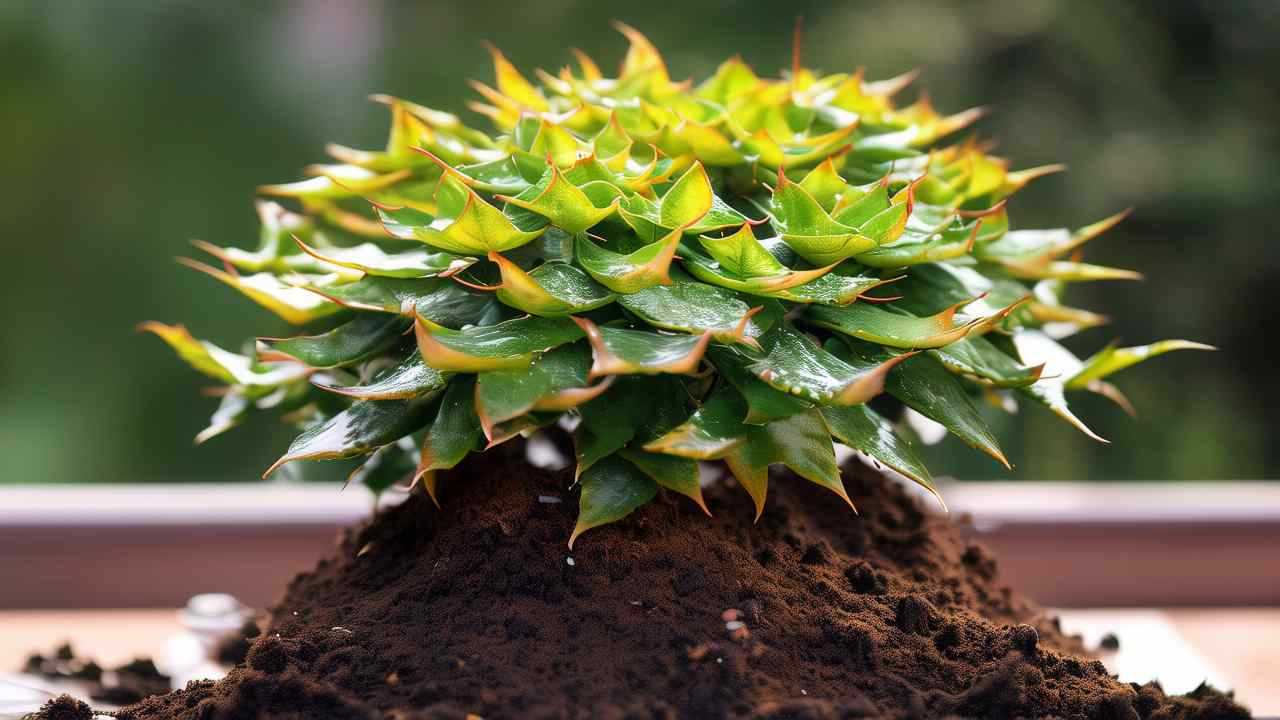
(121, 685)
(811, 614)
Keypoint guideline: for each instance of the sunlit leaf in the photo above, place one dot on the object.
(467, 224)
(1113, 359)
(294, 304)
(220, 364)
(552, 289)
(374, 260)
(567, 206)
(646, 267)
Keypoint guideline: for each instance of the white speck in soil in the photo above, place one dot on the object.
(549, 500)
(570, 561)
(339, 628)
(803, 691)
(734, 625)
(719, 660)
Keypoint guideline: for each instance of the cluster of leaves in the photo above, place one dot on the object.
(680, 273)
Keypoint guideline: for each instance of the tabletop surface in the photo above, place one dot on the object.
(1232, 648)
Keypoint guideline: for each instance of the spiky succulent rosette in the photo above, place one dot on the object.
(728, 271)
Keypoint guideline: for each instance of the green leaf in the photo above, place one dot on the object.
(453, 434)
(372, 259)
(711, 432)
(673, 473)
(978, 358)
(296, 305)
(879, 325)
(566, 205)
(915, 248)
(742, 254)
(507, 345)
(358, 430)
(863, 429)
(466, 224)
(634, 271)
(439, 300)
(620, 351)
(924, 385)
(687, 200)
(411, 378)
(1059, 365)
(794, 364)
(764, 403)
(550, 290)
(1113, 359)
(556, 380)
(365, 336)
(386, 466)
(611, 490)
(636, 407)
(222, 365)
(801, 442)
(687, 305)
(810, 230)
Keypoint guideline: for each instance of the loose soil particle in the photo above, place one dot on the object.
(811, 614)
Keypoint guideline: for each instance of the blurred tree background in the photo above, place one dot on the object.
(130, 127)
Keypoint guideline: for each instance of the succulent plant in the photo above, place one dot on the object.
(676, 273)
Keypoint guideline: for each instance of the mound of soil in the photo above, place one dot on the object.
(811, 614)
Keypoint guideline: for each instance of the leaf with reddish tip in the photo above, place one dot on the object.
(1113, 359)
(864, 430)
(689, 204)
(1028, 247)
(387, 466)
(336, 182)
(410, 378)
(566, 205)
(552, 289)
(742, 254)
(365, 336)
(507, 345)
(711, 432)
(222, 365)
(294, 304)
(514, 85)
(646, 267)
(358, 430)
(466, 223)
(1059, 365)
(611, 490)
(883, 326)
(442, 301)
(693, 307)
(924, 385)
(801, 442)
(677, 474)
(1069, 271)
(546, 383)
(794, 364)
(620, 351)
(810, 230)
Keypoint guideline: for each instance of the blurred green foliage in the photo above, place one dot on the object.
(130, 127)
